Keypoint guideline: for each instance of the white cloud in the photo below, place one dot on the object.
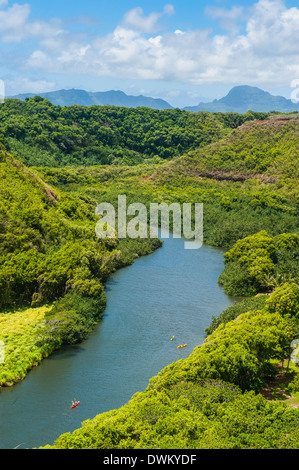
(265, 52)
(15, 25)
(273, 29)
(13, 21)
(136, 20)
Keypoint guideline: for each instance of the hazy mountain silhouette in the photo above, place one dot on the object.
(240, 99)
(245, 98)
(86, 98)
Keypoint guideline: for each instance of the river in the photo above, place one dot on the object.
(172, 292)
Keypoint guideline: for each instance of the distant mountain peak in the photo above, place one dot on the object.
(74, 96)
(246, 90)
(243, 98)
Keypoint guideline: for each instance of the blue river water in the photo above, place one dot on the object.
(172, 292)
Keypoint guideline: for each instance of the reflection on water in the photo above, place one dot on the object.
(173, 292)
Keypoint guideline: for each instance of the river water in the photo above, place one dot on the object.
(172, 292)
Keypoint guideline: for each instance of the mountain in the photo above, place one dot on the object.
(86, 98)
(241, 99)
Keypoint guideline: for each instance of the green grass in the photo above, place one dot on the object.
(19, 332)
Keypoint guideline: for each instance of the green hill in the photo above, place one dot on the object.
(247, 181)
(266, 148)
(50, 257)
(39, 229)
(42, 134)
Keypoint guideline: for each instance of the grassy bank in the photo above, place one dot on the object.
(50, 255)
(19, 332)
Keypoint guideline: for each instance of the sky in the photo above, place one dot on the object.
(184, 51)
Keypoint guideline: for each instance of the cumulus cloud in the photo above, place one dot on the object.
(136, 20)
(13, 21)
(264, 51)
(15, 25)
(273, 29)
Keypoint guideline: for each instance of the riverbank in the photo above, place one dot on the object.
(172, 292)
(31, 335)
(208, 400)
(19, 331)
(185, 404)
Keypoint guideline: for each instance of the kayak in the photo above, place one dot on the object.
(74, 405)
(182, 346)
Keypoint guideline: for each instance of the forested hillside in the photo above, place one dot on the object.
(42, 134)
(241, 194)
(267, 147)
(53, 269)
(214, 399)
(50, 256)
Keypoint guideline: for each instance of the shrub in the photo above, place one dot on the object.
(285, 300)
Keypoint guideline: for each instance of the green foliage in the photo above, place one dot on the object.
(72, 318)
(19, 330)
(267, 147)
(49, 252)
(197, 403)
(162, 421)
(246, 305)
(293, 387)
(237, 281)
(285, 300)
(223, 224)
(46, 135)
(254, 262)
(287, 240)
(239, 349)
(247, 181)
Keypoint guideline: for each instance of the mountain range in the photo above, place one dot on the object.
(240, 99)
(86, 98)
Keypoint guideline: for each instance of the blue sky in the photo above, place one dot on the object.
(182, 51)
